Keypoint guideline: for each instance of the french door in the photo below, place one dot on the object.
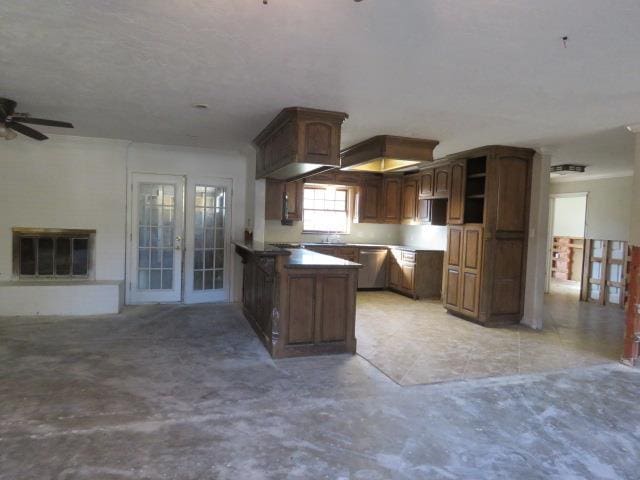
(156, 232)
(207, 259)
(179, 239)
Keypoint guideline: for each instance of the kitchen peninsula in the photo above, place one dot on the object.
(298, 301)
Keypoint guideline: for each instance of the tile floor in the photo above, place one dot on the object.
(418, 342)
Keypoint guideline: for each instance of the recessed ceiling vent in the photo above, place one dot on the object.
(567, 168)
(387, 153)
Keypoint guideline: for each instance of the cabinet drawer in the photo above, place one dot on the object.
(408, 256)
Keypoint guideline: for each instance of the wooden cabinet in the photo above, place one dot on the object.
(426, 183)
(463, 269)
(432, 211)
(299, 142)
(395, 270)
(434, 182)
(409, 199)
(488, 216)
(301, 310)
(392, 197)
(441, 182)
(455, 208)
(274, 200)
(370, 199)
(416, 274)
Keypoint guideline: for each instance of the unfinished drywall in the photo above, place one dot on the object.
(608, 205)
(569, 214)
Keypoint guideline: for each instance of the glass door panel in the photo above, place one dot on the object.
(155, 258)
(209, 237)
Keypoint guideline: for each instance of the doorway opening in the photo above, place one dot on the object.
(567, 226)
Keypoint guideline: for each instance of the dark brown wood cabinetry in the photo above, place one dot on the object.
(441, 182)
(275, 197)
(417, 274)
(488, 219)
(298, 142)
(455, 208)
(298, 309)
(370, 199)
(392, 196)
(409, 199)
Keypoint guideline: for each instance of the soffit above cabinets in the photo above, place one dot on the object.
(387, 153)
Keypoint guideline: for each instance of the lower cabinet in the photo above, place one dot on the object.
(463, 270)
(416, 274)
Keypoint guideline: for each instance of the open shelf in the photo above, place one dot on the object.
(475, 190)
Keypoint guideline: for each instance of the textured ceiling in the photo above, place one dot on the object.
(466, 73)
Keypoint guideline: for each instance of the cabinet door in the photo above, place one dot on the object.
(408, 277)
(455, 210)
(424, 210)
(426, 184)
(320, 143)
(273, 200)
(395, 272)
(471, 269)
(453, 267)
(392, 190)
(370, 200)
(295, 192)
(441, 182)
(409, 200)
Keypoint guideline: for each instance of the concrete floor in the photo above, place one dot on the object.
(418, 342)
(188, 392)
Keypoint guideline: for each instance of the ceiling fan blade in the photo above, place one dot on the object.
(43, 121)
(28, 131)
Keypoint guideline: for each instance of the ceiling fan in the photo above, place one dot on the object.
(12, 122)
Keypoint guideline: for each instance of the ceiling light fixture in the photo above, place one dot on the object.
(7, 133)
(567, 168)
(200, 106)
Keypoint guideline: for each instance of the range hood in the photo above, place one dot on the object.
(387, 153)
(299, 142)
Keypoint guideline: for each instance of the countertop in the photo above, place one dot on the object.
(303, 258)
(296, 257)
(370, 245)
(259, 248)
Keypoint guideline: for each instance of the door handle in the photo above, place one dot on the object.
(178, 242)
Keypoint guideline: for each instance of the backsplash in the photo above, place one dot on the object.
(424, 236)
(360, 233)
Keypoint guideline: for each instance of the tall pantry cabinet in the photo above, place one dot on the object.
(488, 218)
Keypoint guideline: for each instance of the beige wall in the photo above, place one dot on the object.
(569, 215)
(608, 205)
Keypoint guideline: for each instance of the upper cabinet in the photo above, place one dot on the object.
(280, 192)
(409, 211)
(455, 209)
(370, 199)
(391, 197)
(298, 143)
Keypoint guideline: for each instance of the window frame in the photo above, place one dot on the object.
(71, 234)
(348, 208)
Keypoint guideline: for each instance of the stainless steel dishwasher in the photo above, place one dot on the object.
(373, 273)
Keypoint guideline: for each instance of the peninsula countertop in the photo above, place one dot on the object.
(296, 257)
